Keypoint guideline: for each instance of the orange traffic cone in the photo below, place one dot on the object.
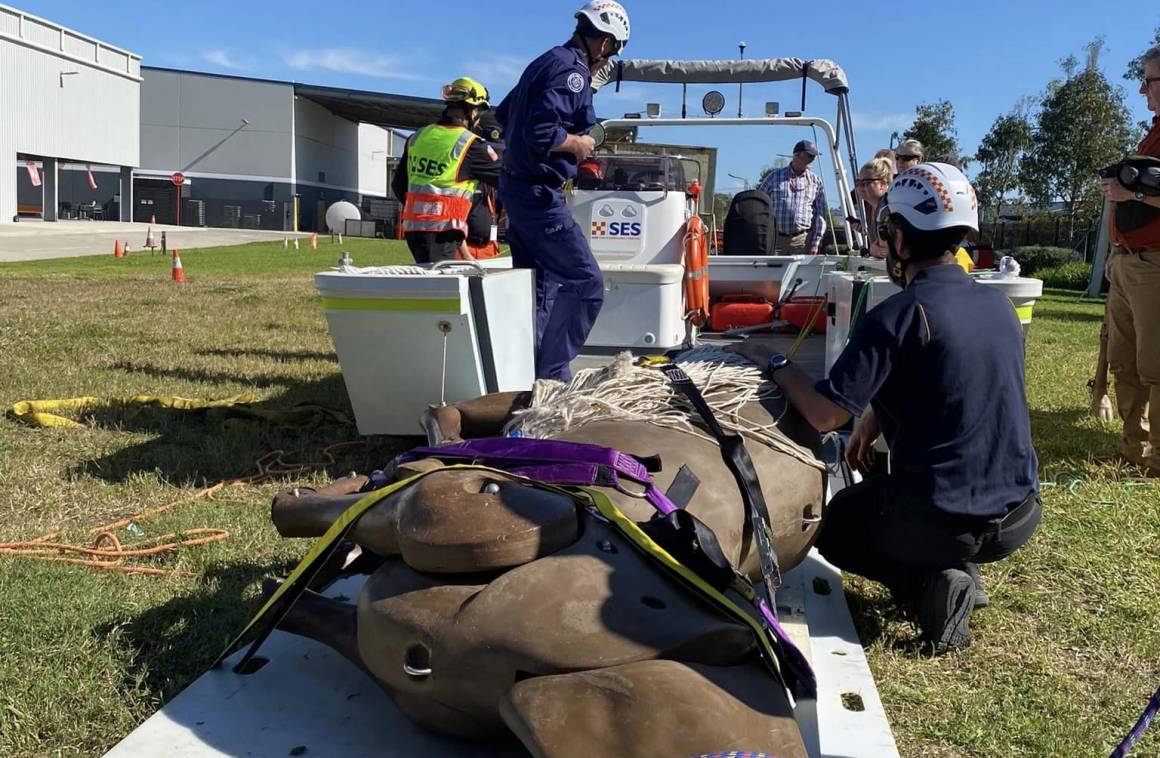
(150, 242)
(314, 241)
(178, 271)
(117, 250)
(126, 248)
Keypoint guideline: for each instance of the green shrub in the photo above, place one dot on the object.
(1036, 258)
(1070, 276)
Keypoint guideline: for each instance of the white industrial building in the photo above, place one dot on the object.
(68, 104)
(88, 132)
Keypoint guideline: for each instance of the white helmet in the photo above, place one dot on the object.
(607, 16)
(934, 196)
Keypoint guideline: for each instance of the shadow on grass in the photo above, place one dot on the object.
(173, 643)
(277, 355)
(202, 448)
(201, 375)
(1068, 435)
(1054, 314)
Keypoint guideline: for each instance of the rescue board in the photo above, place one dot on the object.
(307, 700)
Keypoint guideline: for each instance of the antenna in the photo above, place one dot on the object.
(740, 85)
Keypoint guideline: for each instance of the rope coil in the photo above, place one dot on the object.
(623, 391)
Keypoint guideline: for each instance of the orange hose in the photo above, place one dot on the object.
(270, 466)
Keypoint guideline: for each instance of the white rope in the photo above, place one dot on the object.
(387, 270)
(622, 391)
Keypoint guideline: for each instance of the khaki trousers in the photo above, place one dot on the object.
(1133, 319)
(795, 245)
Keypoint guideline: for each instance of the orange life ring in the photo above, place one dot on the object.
(696, 272)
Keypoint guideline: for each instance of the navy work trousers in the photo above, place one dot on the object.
(897, 543)
(569, 287)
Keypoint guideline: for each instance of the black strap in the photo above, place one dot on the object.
(737, 459)
(684, 486)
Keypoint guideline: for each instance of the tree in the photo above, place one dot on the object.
(1135, 71)
(721, 202)
(999, 155)
(1082, 126)
(934, 127)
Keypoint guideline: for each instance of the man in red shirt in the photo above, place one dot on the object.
(1133, 309)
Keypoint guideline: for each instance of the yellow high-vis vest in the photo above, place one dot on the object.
(436, 200)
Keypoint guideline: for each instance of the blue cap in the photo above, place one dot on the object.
(805, 146)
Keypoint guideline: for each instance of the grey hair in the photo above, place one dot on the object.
(1151, 54)
(914, 145)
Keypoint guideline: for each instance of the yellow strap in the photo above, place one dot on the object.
(46, 413)
(645, 544)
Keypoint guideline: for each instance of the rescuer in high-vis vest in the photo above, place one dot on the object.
(440, 176)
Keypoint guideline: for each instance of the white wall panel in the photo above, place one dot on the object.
(57, 100)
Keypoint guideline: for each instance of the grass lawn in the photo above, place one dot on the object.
(1064, 658)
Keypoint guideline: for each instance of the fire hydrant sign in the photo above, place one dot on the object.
(178, 178)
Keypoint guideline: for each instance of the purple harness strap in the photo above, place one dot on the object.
(579, 463)
(554, 462)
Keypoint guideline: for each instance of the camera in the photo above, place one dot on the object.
(1138, 173)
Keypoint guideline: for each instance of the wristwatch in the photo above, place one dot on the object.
(776, 361)
(1139, 197)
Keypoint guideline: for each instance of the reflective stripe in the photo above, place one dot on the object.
(429, 305)
(1023, 312)
(431, 189)
(462, 144)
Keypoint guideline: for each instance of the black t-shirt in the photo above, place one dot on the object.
(941, 363)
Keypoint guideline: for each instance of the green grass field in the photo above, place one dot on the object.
(1064, 658)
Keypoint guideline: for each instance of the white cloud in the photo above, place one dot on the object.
(344, 60)
(497, 72)
(221, 59)
(882, 121)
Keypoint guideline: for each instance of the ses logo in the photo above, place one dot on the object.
(616, 229)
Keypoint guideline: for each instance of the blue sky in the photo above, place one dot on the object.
(982, 55)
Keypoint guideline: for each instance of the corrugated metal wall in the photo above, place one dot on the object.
(90, 116)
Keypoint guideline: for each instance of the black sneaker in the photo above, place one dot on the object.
(944, 612)
(981, 598)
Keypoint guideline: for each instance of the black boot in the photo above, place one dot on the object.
(981, 598)
(944, 610)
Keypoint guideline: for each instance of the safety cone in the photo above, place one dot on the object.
(117, 253)
(150, 242)
(314, 241)
(178, 271)
(126, 248)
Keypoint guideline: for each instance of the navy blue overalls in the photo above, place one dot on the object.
(552, 100)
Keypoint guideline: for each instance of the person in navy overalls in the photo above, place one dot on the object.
(545, 121)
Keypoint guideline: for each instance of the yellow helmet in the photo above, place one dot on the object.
(466, 90)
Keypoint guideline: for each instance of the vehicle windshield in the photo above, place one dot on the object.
(635, 173)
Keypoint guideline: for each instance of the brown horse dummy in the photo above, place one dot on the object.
(498, 607)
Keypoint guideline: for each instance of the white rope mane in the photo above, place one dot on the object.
(622, 391)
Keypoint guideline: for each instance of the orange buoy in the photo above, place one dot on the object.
(696, 272)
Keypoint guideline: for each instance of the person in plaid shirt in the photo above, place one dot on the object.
(799, 203)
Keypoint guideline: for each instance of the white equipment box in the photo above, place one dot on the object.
(636, 232)
(408, 340)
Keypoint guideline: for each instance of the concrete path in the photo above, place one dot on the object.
(37, 240)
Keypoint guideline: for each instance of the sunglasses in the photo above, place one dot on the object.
(906, 157)
(1150, 80)
(864, 182)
